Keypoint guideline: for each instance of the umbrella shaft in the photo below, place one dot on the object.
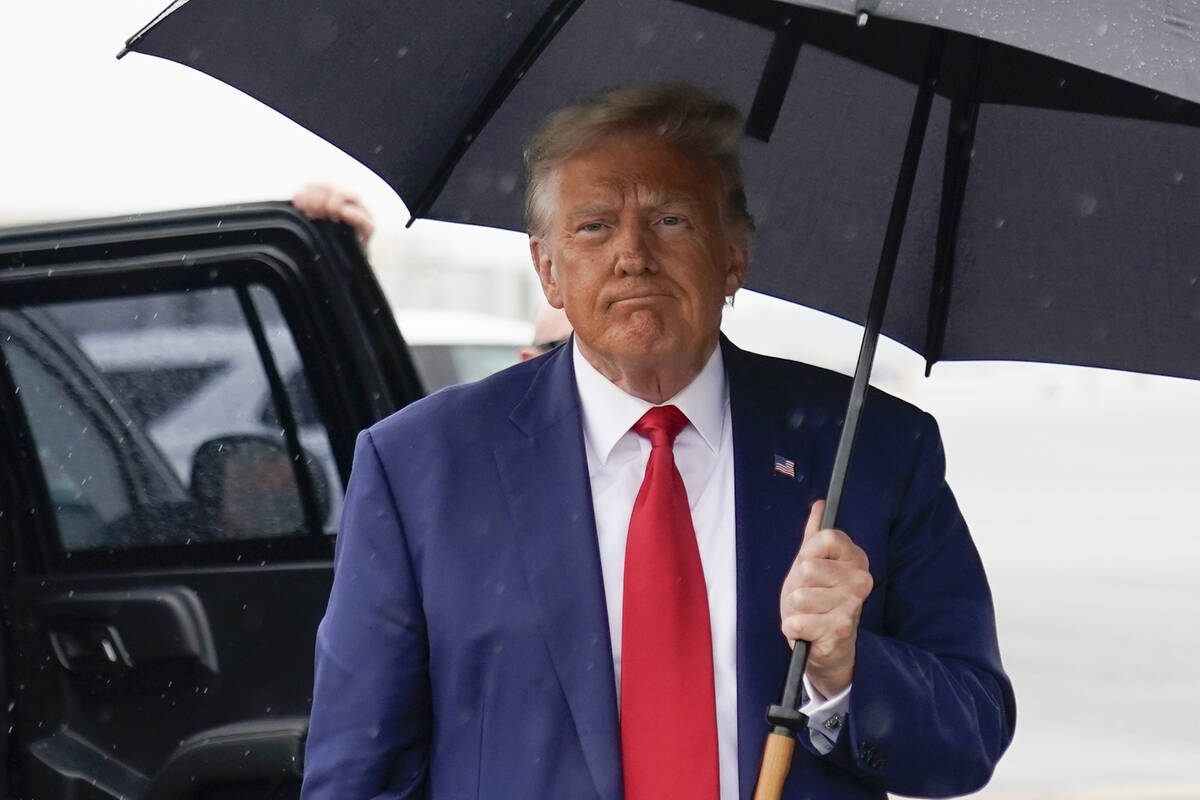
(883, 278)
(769, 789)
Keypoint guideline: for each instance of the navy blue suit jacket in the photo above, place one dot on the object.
(465, 650)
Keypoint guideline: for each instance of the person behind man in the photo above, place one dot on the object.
(550, 329)
(570, 579)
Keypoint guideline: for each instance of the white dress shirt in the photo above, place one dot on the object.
(616, 458)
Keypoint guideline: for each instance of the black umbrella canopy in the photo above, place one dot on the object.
(1054, 215)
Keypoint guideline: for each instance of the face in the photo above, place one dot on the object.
(637, 252)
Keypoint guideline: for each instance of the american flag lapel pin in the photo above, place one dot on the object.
(785, 466)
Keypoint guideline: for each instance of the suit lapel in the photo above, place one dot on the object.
(545, 477)
(771, 509)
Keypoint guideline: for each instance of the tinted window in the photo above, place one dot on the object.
(198, 452)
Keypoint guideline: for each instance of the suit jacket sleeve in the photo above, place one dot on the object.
(931, 710)
(369, 730)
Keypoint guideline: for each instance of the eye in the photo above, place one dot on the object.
(592, 227)
(671, 220)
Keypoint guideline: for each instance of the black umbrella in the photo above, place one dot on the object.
(1051, 152)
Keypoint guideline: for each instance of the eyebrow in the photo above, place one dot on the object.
(657, 199)
(591, 209)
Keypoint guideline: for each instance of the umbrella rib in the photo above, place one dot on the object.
(960, 139)
(552, 21)
(136, 39)
(773, 85)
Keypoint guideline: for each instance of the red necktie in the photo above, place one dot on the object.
(668, 711)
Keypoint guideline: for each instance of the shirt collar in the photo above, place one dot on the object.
(609, 412)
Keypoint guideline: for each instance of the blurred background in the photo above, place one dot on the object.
(1082, 486)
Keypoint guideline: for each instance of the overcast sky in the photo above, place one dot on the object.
(86, 135)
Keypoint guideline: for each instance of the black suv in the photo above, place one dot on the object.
(179, 399)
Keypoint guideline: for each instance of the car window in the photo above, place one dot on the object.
(88, 485)
(200, 453)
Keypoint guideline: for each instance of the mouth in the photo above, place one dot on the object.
(648, 297)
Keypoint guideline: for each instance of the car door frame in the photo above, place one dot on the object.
(332, 304)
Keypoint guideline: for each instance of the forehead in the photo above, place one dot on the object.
(643, 165)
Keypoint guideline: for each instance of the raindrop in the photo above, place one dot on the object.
(1045, 302)
(1177, 177)
(1087, 204)
(1000, 222)
(402, 52)
(1102, 29)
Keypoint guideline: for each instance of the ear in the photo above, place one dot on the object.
(543, 264)
(735, 273)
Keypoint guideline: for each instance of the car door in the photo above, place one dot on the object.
(179, 398)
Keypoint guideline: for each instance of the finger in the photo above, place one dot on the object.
(823, 631)
(828, 573)
(315, 205)
(843, 576)
(812, 600)
(311, 199)
(827, 543)
(815, 513)
(357, 217)
(335, 200)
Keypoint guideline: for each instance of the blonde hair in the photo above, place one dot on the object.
(682, 115)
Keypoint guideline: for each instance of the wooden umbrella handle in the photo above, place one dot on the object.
(776, 760)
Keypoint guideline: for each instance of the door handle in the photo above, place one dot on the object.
(113, 631)
(89, 647)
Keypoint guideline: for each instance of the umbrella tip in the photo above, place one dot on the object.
(121, 54)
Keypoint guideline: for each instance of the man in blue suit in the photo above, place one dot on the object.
(486, 635)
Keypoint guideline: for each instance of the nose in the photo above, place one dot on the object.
(632, 254)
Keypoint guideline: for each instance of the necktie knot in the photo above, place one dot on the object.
(661, 425)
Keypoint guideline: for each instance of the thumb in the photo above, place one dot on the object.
(814, 519)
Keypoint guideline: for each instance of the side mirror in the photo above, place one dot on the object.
(246, 484)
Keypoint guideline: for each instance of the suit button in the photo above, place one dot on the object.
(872, 756)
